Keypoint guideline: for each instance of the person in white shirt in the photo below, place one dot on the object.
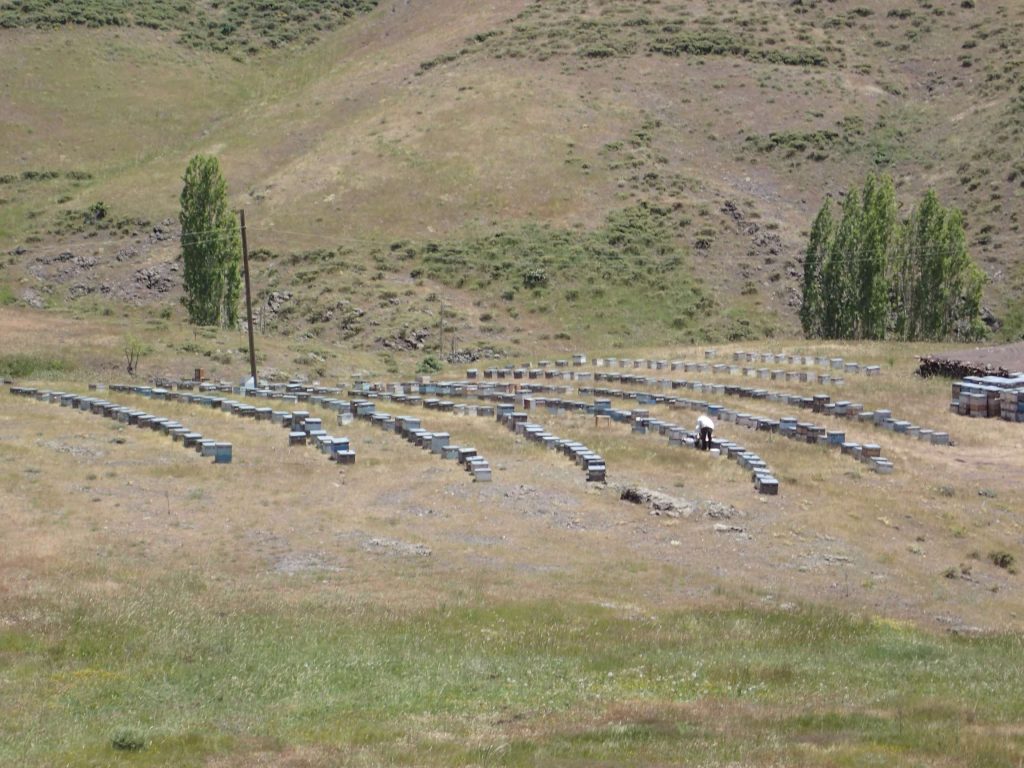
(705, 428)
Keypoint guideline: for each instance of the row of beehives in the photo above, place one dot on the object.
(782, 358)
(735, 370)
(220, 451)
(881, 418)
(835, 363)
(438, 443)
(533, 374)
(337, 448)
(641, 423)
(305, 428)
(424, 386)
(590, 461)
(990, 397)
(388, 394)
(819, 403)
(594, 465)
(790, 427)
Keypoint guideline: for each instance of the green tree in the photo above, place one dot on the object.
(920, 290)
(872, 275)
(944, 283)
(878, 241)
(964, 283)
(818, 249)
(210, 245)
(839, 279)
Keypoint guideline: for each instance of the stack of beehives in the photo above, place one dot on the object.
(990, 397)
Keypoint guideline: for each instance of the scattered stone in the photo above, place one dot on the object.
(723, 528)
(660, 504)
(277, 300)
(407, 339)
(719, 511)
(163, 231)
(155, 278)
(73, 450)
(80, 290)
(395, 547)
(33, 299)
(304, 562)
(472, 355)
(830, 558)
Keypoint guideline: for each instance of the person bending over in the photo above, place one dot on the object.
(705, 428)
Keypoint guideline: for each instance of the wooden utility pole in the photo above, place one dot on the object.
(440, 331)
(248, 301)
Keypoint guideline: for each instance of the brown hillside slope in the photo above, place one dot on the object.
(439, 120)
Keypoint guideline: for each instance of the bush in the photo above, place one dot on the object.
(25, 366)
(429, 364)
(535, 278)
(128, 740)
(1003, 560)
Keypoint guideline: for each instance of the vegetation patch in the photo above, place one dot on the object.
(26, 366)
(30, 175)
(1003, 559)
(591, 30)
(634, 257)
(792, 142)
(93, 219)
(246, 26)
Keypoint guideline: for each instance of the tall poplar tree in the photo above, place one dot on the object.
(923, 291)
(210, 245)
(839, 294)
(964, 282)
(879, 238)
(819, 248)
(873, 276)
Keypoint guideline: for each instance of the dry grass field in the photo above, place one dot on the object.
(282, 610)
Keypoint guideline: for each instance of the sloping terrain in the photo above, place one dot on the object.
(603, 171)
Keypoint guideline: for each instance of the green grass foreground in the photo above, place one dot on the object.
(184, 676)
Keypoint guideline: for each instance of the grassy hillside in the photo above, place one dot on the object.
(658, 162)
(237, 26)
